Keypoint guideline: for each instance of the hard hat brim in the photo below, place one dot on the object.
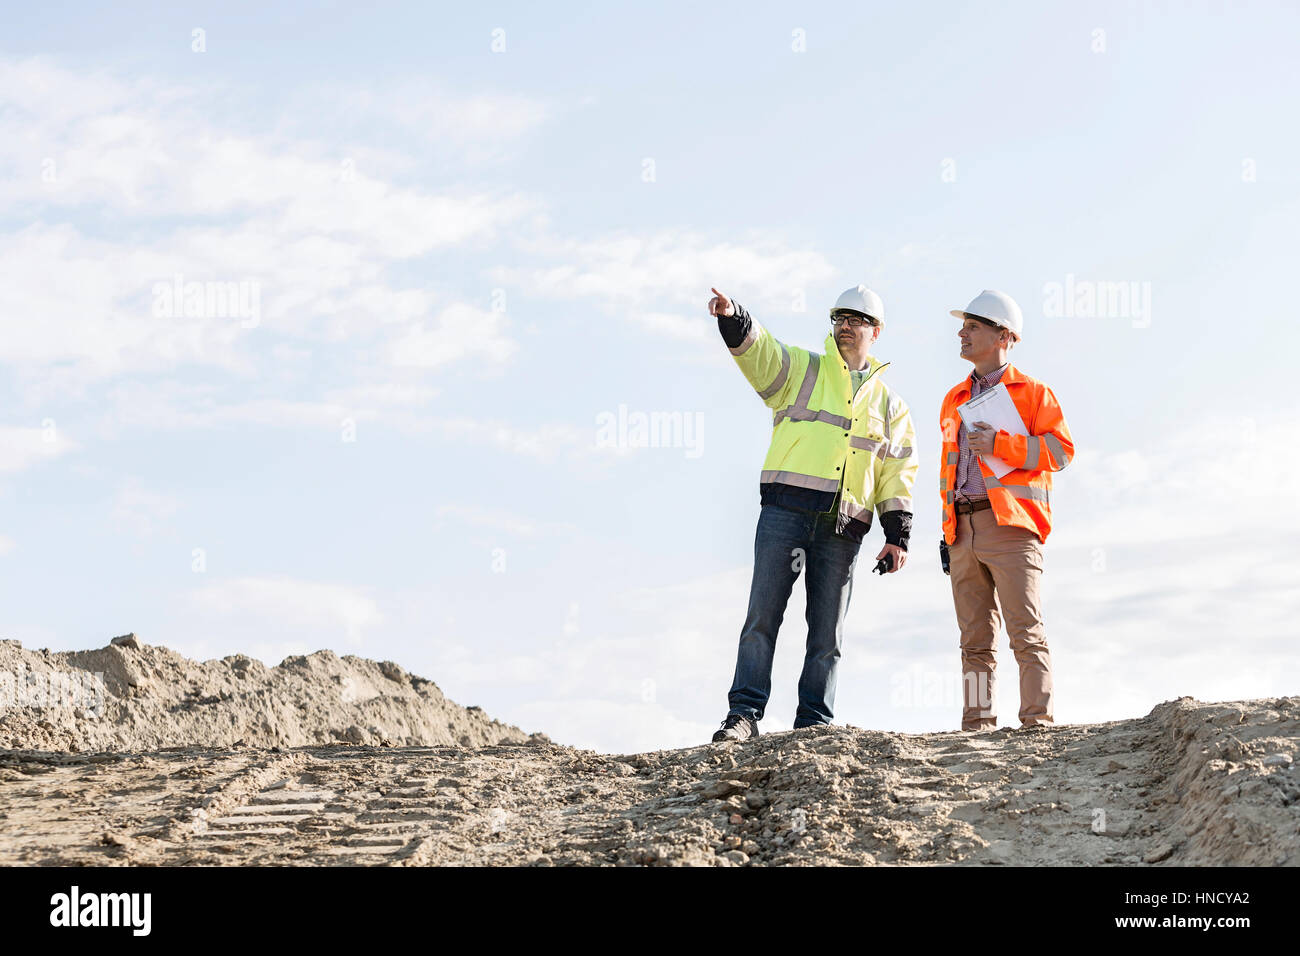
(963, 314)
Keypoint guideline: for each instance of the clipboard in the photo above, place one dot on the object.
(996, 408)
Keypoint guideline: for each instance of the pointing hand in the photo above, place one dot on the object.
(720, 304)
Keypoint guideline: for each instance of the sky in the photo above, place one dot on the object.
(430, 257)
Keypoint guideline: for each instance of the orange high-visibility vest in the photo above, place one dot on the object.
(1021, 497)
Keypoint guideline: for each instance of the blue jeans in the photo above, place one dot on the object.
(786, 542)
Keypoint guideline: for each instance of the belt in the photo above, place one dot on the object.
(966, 507)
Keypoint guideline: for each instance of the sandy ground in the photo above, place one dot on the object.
(1191, 783)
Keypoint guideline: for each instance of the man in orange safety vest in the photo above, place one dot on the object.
(994, 528)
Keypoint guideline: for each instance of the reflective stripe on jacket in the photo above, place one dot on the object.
(822, 433)
(1022, 496)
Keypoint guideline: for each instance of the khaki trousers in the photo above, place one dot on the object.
(992, 565)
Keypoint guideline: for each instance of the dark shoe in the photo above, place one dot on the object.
(736, 727)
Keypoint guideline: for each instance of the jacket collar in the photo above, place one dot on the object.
(1012, 376)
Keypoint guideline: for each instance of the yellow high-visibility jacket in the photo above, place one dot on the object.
(822, 434)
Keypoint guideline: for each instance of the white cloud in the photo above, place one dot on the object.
(21, 448)
(321, 613)
(180, 406)
(378, 395)
(151, 150)
(546, 442)
(139, 511)
(75, 310)
(699, 329)
(62, 299)
(1231, 474)
(670, 267)
(479, 125)
(174, 405)
(212, 204)
(460, 331)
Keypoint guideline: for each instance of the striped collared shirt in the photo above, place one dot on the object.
(970, 480)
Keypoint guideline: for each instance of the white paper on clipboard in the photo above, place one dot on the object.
(995, 408)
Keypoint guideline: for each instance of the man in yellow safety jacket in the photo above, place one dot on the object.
(842, 448)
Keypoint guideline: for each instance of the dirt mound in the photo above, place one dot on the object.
(134, 696)
(1190, 783)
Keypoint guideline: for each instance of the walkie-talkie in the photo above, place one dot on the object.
(884, 565)
(943, 555)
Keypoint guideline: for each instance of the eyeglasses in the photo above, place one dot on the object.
(854, 321)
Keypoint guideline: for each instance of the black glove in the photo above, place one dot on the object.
(943, 555)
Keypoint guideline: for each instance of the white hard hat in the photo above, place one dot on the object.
(861, 299)
(998, 307)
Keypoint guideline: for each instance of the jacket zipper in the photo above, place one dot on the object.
(844, 473)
